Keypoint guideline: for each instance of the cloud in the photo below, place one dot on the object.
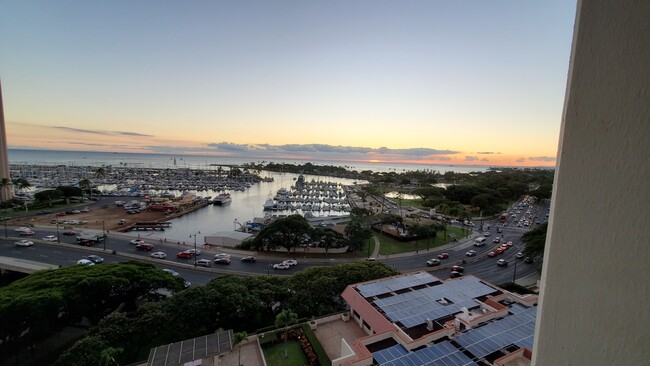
(324, 148)
(471, 158)
(487, 152)
(520, 160)
(485, 159)
(542, 158)
(101, 132)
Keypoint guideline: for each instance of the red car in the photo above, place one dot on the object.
(26, 233)
(443, 255)
(492, 254)
(184, 255)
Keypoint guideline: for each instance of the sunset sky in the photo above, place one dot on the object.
(436, 82)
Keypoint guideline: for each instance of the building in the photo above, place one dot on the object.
(418, 319)
(6, 190)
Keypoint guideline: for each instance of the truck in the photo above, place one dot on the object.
(89, 239)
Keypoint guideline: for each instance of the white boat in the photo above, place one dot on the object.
(222, 199)
(268, 205)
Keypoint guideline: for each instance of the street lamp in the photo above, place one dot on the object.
(514, 276)
(104, 234)
(58, 240)
(194, 235)
(6, 235)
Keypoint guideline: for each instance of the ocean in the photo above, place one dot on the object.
(211, 219)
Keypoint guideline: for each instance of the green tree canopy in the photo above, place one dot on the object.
(535, 241)
(288, 232)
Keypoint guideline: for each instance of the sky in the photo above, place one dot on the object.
(431, 82)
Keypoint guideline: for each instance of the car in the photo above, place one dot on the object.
(499, 250)
(471, 253)
(528, 260)
(496, 240)
(20, 229)
(50, 238)
(249, 259)
(24, 243)
(281, 266)
(371, 259)
(85, 262)
(443, 255)
(487, 233)
(433, 262)
(144, 246)
(158, 255)
(121, 222)
(499, 231)
(222, 260)
(69, 233)
(95, 259)
(519, 255)
(222, 255)
(492, 254)
(186, 284)
(457, 269)
(196, 252)
(26, 233)
(510, 243)
(184, 255)
(502, 262)
(504, 247)
(291, 262)
(203, 263)
(455, 274)
(137, 241)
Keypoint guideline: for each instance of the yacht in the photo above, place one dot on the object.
(222, 199)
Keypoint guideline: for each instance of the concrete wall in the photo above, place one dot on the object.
(594, 288)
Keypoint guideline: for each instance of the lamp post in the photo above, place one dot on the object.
(514, 276)
(104, 234)
(58, 236)
(6, 235)
(194, 235)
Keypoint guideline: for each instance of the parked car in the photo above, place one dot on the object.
(502, 262)
(281, 266)
(184, 255)
(24, 243)
(85, 262)
(158, 255)
(291, 262)
(144, 246)
(137, 241)
(222, 260)
(249, 259)
(50, 238)
(95, 259)
(203, 263)
(433, 262)
(470, 253)
(443, 255)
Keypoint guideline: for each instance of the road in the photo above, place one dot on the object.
(482, 266)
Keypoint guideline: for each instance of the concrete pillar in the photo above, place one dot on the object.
(6, 193)
(594, 288)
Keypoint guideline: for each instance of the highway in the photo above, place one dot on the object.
(482, 266)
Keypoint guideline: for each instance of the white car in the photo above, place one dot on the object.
(291, 262)
(281, 266)
(471, 253)
(24, 243)
(159, 255)
(85, 262)
(502, 262)
(221, 255)
(22, 229)
(137, 241)
(50, 238)
(487, 233)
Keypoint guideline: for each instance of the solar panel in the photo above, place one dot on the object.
(396, 284)
(443, 353)
(515, 329)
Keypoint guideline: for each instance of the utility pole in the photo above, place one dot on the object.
(104, 234)
(194, 235)
(514, 276)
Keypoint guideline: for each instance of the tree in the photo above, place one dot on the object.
(286, 317)
(288, 232)
(240, 337)
(5, 184)
(48, 196)
(86, 186)
(21, 183)
(535, 241)
(68, 192)
(107, 356)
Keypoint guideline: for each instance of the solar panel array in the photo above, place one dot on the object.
(517, 329)
(443, 353)
(179, 353)
(395, 284)
(389, 354)
(414, 307)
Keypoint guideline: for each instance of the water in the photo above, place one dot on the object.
(211, 219)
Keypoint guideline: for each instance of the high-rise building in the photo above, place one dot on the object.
(6, 190)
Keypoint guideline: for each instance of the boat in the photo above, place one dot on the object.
(222, 199)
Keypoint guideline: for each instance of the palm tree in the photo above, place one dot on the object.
(5, 183)
(21, 183)
(286, 317)
(85, 185)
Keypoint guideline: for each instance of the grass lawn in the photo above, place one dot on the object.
(392, 246)
(274, 355)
